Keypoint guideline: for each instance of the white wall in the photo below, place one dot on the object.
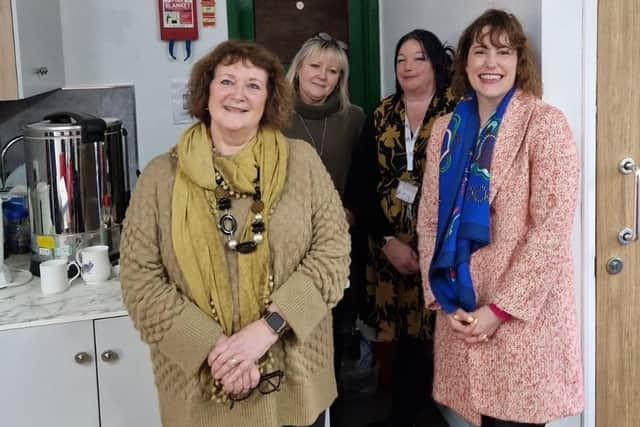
(557, 33)
(444, 19)
(118, 41)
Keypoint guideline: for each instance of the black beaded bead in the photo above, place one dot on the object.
(257, 227)
(246, 247)
(224, 204)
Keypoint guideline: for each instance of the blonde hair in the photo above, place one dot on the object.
(318, 46)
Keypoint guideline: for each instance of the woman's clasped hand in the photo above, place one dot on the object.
(474, 327)
(233, 359)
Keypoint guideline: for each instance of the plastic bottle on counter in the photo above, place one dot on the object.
(16, 222)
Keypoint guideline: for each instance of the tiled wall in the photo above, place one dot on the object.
(117, 102)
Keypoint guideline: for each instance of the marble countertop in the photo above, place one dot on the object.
(24, 306)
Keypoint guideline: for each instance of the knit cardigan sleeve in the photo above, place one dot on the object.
(326, 262)
(156, 305)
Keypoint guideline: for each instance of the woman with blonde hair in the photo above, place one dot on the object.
(323, 115)
(325, 118)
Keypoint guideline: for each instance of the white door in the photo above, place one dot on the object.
(48, 376)
(127, 390)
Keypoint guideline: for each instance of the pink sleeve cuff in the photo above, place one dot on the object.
(502, 315)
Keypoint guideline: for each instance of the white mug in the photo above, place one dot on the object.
(54, 275)
(94, 263)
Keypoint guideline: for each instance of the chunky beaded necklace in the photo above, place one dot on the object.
(228, 224)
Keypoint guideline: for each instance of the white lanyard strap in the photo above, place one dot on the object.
(410, 141)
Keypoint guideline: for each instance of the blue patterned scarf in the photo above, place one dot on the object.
(463, 213)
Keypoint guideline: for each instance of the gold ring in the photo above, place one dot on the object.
(233, 362)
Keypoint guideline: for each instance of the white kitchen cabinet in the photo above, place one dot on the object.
(30, 48)
(78, 374)
(41, 383)
(127, 391)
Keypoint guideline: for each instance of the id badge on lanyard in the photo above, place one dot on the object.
(409, 141)
(406, 191)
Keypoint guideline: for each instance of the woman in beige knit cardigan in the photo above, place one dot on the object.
(235, 248)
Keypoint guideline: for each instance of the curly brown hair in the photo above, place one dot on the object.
(279, 106)
(500, 23)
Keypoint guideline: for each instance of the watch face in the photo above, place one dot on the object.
(275, 321)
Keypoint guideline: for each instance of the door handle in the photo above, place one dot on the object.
(629, 166)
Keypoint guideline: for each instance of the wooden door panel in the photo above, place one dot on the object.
(618, 136)
(283, 27)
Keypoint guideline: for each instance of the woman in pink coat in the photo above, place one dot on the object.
(498, 200)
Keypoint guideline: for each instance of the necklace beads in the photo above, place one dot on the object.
(227, 223)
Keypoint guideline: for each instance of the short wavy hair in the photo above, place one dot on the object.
(316, 45)
(500, 23)
(279, 105)
(440, 56)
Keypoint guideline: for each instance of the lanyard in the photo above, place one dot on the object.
(409, 141)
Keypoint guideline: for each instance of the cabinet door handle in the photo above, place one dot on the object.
(109, 356)
(82, 358)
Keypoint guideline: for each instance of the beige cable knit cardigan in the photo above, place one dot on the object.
(310, 248)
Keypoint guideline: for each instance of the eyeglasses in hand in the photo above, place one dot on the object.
(268, 383)
(326, 37)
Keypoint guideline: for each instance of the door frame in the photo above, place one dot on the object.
(363, 63)
(588, 206)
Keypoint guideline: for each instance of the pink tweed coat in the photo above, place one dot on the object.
(530, 371)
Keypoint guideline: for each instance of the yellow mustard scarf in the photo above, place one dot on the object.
(197, 242)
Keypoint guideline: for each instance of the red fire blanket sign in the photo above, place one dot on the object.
(178, 20)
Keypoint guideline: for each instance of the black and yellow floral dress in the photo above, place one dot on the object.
(395, 301)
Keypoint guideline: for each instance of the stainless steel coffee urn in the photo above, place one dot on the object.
(78, 182)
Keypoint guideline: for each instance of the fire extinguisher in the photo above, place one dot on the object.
(178, 22)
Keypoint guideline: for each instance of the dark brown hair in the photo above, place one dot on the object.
(441, 57)
(500, 23)
(279, 104)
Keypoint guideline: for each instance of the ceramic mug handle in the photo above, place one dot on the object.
(79, 257)
(78, 271)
